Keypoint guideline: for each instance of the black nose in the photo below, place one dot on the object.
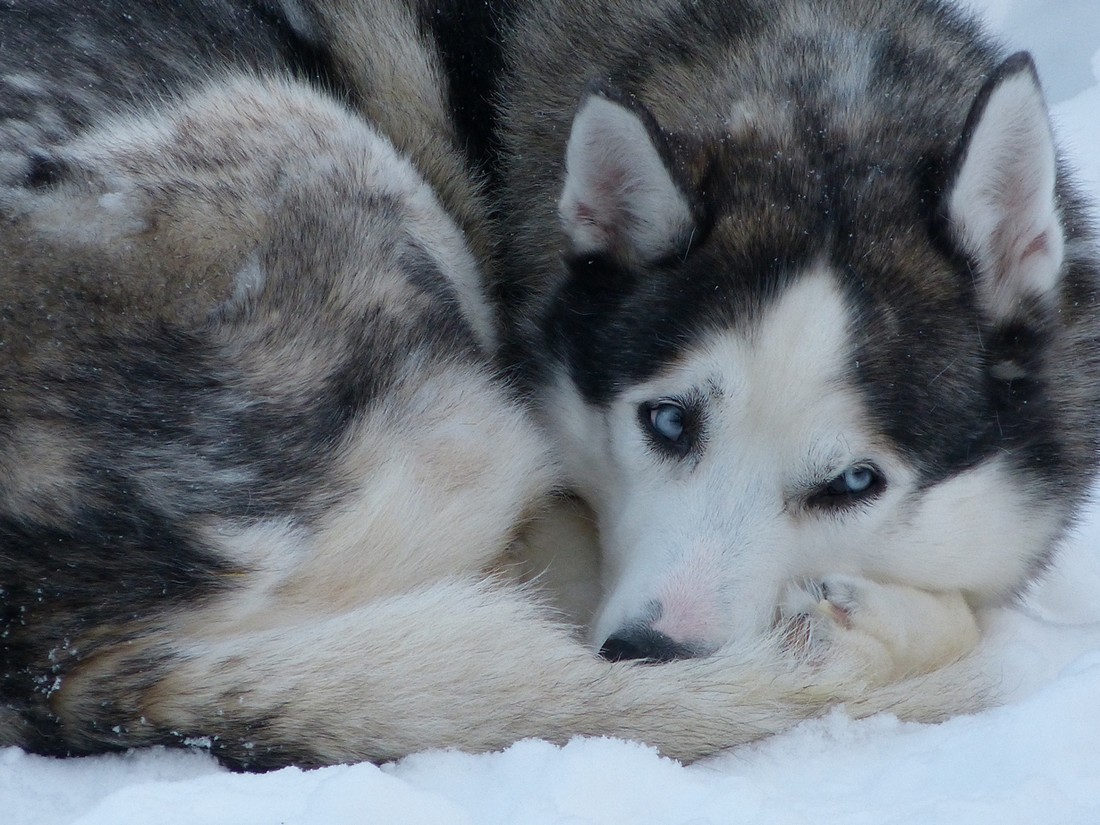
(645, 644)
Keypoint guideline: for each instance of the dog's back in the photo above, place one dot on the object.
(243, 344)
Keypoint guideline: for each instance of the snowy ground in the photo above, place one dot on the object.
(1035, 760)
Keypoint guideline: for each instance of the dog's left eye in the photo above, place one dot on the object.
(669, 426)
(667, 421)
(853, 481)
(858, 482)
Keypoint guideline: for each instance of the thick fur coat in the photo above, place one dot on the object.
(271, 484)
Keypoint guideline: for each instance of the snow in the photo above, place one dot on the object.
(1034, 760)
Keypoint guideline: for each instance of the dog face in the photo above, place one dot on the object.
(754, 461)
(770, 369)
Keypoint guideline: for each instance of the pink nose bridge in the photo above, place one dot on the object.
(691, 599)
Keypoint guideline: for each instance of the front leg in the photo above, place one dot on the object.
(881, 632)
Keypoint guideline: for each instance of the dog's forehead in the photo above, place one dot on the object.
(793, 351)
(823, 354)
(800, 337)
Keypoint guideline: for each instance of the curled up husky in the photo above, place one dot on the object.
(263, 488)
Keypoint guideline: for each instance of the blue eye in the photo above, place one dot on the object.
(853, 480)
(667, 421)
(672, 427)
(858, 481)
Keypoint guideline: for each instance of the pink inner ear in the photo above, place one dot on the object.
(1040, 243)
(585, 214)
(597, 224)
(607, 209)
(611, 190)
(614, 187)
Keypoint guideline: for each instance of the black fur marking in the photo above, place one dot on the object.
(305, 53)
(116, 563)
(468, 35)
(44, 170)
(615, 326)
(690, 33)
(446, 320)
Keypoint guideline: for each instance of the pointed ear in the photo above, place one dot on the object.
(619, 196)
(1002, 206)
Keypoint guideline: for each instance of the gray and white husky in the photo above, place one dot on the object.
(261, 483)
(263, 490)
(803, 297)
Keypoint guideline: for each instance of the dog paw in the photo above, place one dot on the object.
(881, 632)
(820, 615)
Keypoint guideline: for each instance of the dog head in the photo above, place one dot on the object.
(785, 353)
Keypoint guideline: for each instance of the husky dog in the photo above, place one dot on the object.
(260, 484)
(800, 292)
